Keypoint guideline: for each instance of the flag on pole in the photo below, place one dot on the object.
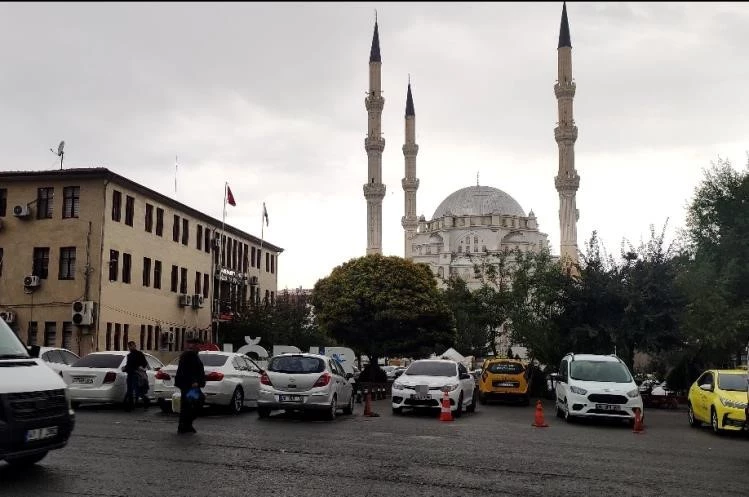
(265, 214)
(230, 197)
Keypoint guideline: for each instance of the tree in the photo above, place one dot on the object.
(384, 306)
(472, 332)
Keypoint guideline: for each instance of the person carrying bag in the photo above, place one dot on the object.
(190, 378)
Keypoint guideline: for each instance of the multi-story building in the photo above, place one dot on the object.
(90, 259)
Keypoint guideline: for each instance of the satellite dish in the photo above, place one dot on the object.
(60, 147)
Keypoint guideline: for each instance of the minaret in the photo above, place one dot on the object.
(374, 144)
(410, 182)
(567, 181)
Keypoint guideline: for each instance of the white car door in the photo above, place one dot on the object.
(466, 384)
(340, 382)
(153, 365)
(346, 388)
(253, 380)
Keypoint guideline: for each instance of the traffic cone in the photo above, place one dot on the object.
(638, 426)
(446, 414)
(368, 406)
(539, 421)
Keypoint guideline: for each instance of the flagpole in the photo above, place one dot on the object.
(262, 234)
(221, 262)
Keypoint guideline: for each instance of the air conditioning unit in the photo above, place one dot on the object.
(83, 312)
(253, 280)
(21, 210)
(8, 316)
(185, 300)
(32, 281)
(197, 301)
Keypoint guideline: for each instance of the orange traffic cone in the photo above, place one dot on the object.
(539, 421)
(446, 414)
(368, 406)
(638, 426)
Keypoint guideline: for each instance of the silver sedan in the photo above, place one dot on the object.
(305, 382)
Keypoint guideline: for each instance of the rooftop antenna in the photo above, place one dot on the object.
(375, 16)
(60, 152)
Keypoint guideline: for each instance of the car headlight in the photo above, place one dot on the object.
(733, 403)
(451, 388)
(633, 393)
(578, 390)
(398, 385)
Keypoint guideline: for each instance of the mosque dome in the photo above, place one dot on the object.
(478, 200)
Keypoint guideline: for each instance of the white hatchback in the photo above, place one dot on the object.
(598, 386)
(423, 384)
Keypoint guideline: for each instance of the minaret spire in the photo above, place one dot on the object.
(567, 180)
(374, 144)
(410, 182)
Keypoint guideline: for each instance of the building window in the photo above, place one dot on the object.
(116, 206)
(117, 336)
(252, 256)
(199, 238)
(33, 330)
(3, 201)
(142, 336)
(159, 221)
(157, 274)
(149, 340)
(207, 241)
(149, 218)
(114, 264)
(146, 271)
(41, 262)
(109, 337)
(50, 334)
(129, 210)
(174, 278)
(245, 259)
(71, 196)
(175, 228)
(223, 250)
(197, 282)
(125, 337)
(267, 262)
(183, 280)
(127, 262)
(273, 263)
(44, 200)
(67, 335)
(185, 231)
(205, 286)
(67, 263)
(1, 261)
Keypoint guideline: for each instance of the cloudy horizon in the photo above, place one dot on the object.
(270, 98)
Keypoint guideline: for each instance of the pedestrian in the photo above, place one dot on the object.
(137, 378)
(190, 376)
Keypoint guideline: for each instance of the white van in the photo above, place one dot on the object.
(35, 411)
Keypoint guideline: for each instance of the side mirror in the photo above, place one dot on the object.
(707, 387)
(34, 351)
(349, 376)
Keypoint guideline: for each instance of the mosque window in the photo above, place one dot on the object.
(475, 239)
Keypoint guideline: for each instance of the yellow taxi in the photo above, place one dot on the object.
(504, 379)
(719, 397)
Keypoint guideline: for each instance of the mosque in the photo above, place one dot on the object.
(473, 225)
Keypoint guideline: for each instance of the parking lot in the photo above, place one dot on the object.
(492, 452)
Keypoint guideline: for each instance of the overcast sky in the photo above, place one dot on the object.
(270, 97)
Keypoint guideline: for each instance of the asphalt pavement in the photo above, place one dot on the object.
(493, 452)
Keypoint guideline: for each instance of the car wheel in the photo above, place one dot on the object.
(397, 411)
(714, 421)
(560, 413)
(349, 409)
(482, 398)
(237, 401)
(331, 412)
(75, 405)
(567, 416)
(166, 407)
(459, 409)
(693, 422)
(24, 461)
(263, 412)
(472, 406)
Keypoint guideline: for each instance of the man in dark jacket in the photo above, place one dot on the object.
(190, 374)
(135, 387)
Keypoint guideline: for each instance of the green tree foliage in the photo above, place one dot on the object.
(384, 306)
(472, 332)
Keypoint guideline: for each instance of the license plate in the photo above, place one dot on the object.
(41, 433)
(505, 384)
(607, 407)
(84, 380)
(289, 398)
(417, 396)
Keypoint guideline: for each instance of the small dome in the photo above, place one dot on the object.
(478, 200)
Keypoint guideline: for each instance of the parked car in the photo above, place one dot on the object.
(231, 380)
(422, 385)
(398, 372)
(57, 359)
(718, 397)
(305, 382)
(35, 410)
(98, 377)
(506, 379)
(596, 386)
(390, 372)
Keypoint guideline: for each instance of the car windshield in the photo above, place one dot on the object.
(604, 371)
(10, 346)
(99, 361)
(732, 382)
(213, 360)
(431, 368)
(296, 364)
(505, 368)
